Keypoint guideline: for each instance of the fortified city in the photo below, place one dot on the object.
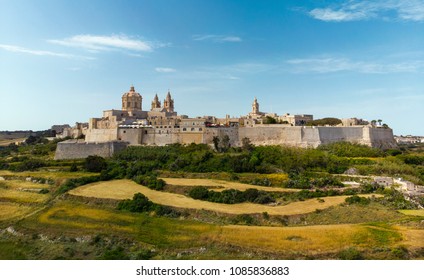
(162, 125)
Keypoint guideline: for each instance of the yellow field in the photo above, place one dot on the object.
(124, 189)
(80, 216)
(7, 142)
(222, 185)
(47, 174)
(413, 238)
(22, 196)
(12, 210)
(311, 239)
(413, 212)
(24, 185)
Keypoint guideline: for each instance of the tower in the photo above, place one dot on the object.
(155, 103)
(131, 101)
(168, 103)
(255, 107)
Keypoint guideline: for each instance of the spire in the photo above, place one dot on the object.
(168, 96)
(132, 88)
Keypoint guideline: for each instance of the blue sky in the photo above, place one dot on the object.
(67, 61)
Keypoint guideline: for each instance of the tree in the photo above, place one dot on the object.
(269, 120)
(246, 145)
(215, 141)
(373, 122)
(379, 121)
(95, 164)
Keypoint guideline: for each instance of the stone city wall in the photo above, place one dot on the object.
(74, 149)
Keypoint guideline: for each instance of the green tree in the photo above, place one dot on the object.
(95, 164)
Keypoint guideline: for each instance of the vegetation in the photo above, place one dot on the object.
(231, 196)
(141, 204)
(324, 121)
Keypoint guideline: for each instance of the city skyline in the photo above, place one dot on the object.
(67, 61)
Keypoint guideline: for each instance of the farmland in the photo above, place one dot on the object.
(293, 207)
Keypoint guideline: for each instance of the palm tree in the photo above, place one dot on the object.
(379, 121)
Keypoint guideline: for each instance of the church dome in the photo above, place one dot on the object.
(132, 93)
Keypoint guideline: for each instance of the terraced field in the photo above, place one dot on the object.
(125, 189)
(220, 185)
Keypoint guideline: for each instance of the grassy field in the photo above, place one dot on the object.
(124, 189)
(22, 196)
(24, 185)
(220, 185)
(181, 238)
(309, 239)
(419, 213)
(10, 211)
(7, 142)
(47, 174)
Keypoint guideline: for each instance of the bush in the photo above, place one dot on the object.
(201, 193)
(95, 164)
(139, 203)
(76, 182)
(357, 200)
(350, 254)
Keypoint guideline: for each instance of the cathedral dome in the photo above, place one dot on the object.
(131, 100)
(132, 93)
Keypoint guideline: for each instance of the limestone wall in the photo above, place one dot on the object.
(101, 135)
(74, 149)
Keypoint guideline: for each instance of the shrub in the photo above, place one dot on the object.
(350, 254)
(357, 200)
(139, 203)
(201, 193)
(95, 164)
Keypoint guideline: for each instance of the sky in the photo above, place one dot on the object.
(67, 61)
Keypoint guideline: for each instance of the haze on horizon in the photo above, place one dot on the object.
(66, 61)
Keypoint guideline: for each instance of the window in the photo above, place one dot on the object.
(200, 129)
(184, 129)
(145, 132)
(125, 131)
(192, 129)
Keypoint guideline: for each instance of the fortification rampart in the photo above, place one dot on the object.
(258, 135)
(74, 149)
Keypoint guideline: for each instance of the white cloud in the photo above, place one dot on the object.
(18, 49)
(353, 10)
(329, 65)
(165, 70)
(100, 43)
(217, 38)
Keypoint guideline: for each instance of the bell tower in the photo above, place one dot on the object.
(168, 103)
(155, 102)
(255, 107)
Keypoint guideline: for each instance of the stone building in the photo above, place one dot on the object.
(162, 125)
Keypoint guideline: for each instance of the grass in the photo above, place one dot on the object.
(419, 213)
(47, 174)
(10, 211)
(222, 185)
(7, 142)
(124, 189)
(24, 185)
(17, 196)
(307, 239)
